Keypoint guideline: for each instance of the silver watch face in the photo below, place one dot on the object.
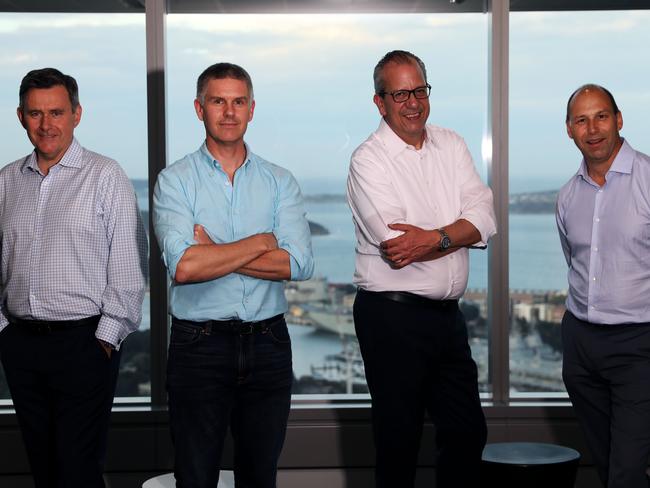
(445, 242)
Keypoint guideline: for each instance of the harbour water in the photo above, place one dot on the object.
(536, 266)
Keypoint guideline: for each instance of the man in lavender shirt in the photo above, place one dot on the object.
(603, 217)
(73, 256)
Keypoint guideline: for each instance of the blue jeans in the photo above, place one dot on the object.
(218, 378)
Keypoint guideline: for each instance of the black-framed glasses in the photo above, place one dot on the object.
(400, 96)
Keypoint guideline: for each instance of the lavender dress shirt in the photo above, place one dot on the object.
(605, 236)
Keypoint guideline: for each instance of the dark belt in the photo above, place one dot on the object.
(47, 326)
(235, 325)
(408, 298)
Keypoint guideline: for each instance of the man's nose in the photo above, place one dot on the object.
(44, 122)
(412, 101)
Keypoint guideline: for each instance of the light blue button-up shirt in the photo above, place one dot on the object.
(605, 235)
(263, 198)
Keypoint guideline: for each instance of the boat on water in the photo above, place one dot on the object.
(334, 320)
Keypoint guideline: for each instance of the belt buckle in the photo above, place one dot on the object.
(246, 328)
(43, 329)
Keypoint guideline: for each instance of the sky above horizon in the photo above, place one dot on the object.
(313, 81)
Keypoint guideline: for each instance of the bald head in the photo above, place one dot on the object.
(586, 88)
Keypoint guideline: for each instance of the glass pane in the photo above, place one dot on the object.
(552, 54)
(313, 89)
(106, 55)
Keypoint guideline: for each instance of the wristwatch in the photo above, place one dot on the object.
(445, 241)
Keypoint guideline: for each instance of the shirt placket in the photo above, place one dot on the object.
(593, 288)
(44, 191)
(236, 222)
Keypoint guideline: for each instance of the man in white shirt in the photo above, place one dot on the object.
(418, 204)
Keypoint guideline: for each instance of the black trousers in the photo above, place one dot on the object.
(62, 384)
(417, 359)
(606, 371)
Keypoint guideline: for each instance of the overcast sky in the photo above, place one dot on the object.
(313, 81)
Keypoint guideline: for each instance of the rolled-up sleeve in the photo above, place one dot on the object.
(127, 265)
(291, 229)
(477, 205)
(172, 219)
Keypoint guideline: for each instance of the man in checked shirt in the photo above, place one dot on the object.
(74, 257)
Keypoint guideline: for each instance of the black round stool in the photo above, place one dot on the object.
(529, 465)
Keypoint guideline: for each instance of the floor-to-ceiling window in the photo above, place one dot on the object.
(105, 53)
(312, 76)
(551, 55)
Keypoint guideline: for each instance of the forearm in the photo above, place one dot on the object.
(462, 233)
(272, 265)
(204, 262)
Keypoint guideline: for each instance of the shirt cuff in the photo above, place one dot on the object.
(486, 229)
(111, 331)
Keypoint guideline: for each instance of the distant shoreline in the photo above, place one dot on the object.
(538, 202)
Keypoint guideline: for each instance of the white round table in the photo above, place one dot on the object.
(226, 480)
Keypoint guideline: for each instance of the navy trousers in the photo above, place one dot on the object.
(62, 384)
(417, 359)
(606, 371)
(223, 379)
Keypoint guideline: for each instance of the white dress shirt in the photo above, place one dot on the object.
(392, 182)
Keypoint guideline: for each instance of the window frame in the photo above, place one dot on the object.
(496, 140)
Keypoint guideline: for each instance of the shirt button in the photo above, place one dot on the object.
(597, 219)
(595, 249)
(593, 279)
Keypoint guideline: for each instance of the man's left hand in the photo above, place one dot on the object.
(106, 347)
(416, 244)
(201, 236)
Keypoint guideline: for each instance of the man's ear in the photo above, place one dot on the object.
(379, 101)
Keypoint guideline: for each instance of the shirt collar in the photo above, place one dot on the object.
(622, 162)
(395, 144)
(209, 158)
(72, 158)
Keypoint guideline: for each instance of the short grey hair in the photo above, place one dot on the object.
(398, 57)
(220, 71)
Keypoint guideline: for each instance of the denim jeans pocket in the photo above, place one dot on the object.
(184, 335)
(279, 332)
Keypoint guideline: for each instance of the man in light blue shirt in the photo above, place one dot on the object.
(603, 217)
(232, 228)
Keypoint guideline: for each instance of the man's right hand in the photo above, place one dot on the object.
(268, 240)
